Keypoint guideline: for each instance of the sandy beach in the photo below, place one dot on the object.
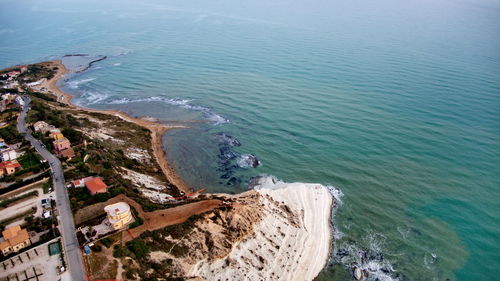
(157, 130)
(291, 242)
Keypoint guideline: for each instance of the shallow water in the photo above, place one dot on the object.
(396, 104)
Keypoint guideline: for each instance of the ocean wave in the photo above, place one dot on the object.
(215, 118)
(76, 83)
(117, 64)
(88, 98)
(184, 103)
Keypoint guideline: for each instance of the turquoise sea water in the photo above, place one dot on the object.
(396, 104)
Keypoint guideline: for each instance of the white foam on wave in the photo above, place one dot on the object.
(76, 83)
(117, 64)
(336, 193)
(184, 103)
(216, 118)
(89, 97)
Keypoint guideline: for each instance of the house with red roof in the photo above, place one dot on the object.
(96, 185)
(67, 153)
(9, 167)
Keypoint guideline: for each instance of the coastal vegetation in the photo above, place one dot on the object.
(38, 71)
(10, 134)
(100, 142)
(165, 240)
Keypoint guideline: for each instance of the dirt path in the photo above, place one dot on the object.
(157, 130)
(163, 218)
(152, 220)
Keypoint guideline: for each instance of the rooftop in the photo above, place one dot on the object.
(13, 236)
(67, 153)
(11, 232)
(117, 208)
(63, 140)
(10, 164)
(95, 185)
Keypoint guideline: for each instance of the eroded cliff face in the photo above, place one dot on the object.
(280, 232)
(213, 235)
(291, 241)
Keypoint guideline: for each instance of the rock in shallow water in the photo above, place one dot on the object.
(248, 160)
(357, 273)
(224, 138)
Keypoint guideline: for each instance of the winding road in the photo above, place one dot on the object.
(67, 225)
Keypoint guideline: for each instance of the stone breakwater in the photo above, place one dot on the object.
(291, 242)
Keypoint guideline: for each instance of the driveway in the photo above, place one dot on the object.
(25, 205)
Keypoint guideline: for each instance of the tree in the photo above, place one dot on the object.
(72, 135)
(138, 247)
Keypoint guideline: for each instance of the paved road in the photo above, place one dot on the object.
(67, 225)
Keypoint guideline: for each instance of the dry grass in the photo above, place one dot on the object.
(101, 267)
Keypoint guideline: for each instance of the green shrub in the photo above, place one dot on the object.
(74, 136)
(138, 247)
(96, 248)
(10, 134)
(138, 221)
(107, 242)
(120, 252)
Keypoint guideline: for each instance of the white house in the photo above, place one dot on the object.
(8, 154)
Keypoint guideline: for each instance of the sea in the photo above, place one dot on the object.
(394, 105)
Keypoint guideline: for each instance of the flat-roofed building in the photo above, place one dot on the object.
(119, 214)
(7, 154)
(56, 135)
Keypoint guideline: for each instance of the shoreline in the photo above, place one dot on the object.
(157, 130)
